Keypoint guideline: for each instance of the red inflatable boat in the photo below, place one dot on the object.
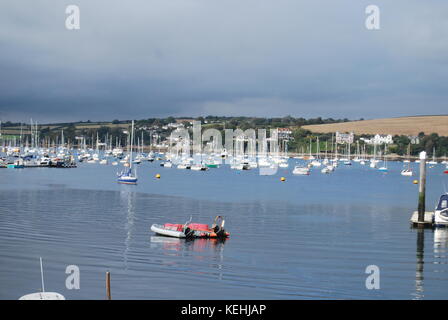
(192, 230)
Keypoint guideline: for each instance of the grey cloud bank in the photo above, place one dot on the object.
(140, 59)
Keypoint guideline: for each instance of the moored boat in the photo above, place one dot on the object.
(127, 176)
(441, 212)
(301, 170)
(325, 170)
(406, 172)
(18, 164)
(192, 230)
(199, 167)
(44, 295)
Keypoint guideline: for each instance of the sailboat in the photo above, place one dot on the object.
(441, 212)
(348, 161)
(407, 171)
(325, 170)
(384, 167)
(358, 153)
(299, 170)
(316, 162)
(126, 176)
(373, 160)
(284, 160)
(326, 161)
(43, 295)
(433, 157)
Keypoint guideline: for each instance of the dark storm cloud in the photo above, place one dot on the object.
(198, 57)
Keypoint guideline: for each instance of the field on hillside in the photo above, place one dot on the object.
(15, 130)
(400, 126)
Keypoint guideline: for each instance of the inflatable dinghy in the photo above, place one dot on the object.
(192, 230)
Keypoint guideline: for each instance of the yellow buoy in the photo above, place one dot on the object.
(415, 182)
(158, 176)
(282, 179)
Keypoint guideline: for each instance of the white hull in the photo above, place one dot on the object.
(301, 171)
(441, 218)
(43, 296)
(407, 173)
(316, 163)
(159, 229)
(441, 212)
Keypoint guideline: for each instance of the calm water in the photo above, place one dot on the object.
(310, 237)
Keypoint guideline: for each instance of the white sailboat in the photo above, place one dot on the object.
(315, 162)
(384, 167)
(433, 162)
(373, 161)
(126, 176)
(301, 170)
(43, 295)
(348, 161)
(441, 212)
(407, 171)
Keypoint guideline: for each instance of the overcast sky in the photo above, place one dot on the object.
(156, 58)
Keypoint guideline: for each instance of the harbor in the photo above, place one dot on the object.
(214, 158)
(284, 234)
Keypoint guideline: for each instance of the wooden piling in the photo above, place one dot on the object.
(108, 295)
(422, 188)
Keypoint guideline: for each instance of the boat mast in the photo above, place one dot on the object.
(132, 138)
(42, 275)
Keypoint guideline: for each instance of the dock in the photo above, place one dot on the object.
(428, 219)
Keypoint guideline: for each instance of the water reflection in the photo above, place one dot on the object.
(181, 245)
(440, 246)
(201, 249)
(128, 198)
(419, 277)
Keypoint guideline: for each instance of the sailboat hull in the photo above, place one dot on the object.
(441, 212)
(407, 173)
(127, 180)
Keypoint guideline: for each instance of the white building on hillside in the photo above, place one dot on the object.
(379, 139)
(342, 138)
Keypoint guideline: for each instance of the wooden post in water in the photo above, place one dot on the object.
(109, 297)
(422, 188)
